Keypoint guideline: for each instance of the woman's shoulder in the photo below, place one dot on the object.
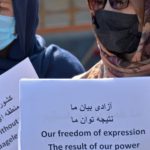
(63, 62)
(92, 73)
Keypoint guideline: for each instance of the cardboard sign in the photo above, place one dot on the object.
(9, 103)
(108, 114)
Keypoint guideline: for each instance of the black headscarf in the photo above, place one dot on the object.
(51, 62)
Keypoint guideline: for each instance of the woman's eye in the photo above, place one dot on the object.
(121, 2)
(100, 2)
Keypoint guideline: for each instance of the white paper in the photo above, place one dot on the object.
(9, 103)
(109, 114)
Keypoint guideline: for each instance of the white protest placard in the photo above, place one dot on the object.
(9, 103)
(108, 114)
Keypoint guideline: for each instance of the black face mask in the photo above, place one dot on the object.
(116, 31)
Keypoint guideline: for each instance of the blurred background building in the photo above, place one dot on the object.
(67, 23)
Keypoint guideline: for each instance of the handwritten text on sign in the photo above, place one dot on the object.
(9, 103)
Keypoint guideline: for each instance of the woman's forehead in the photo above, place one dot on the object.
(5, 0)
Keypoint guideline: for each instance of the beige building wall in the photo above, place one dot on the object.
(56, 13)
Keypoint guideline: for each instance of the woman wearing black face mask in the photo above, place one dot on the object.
(18, 23)
(122, 29)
